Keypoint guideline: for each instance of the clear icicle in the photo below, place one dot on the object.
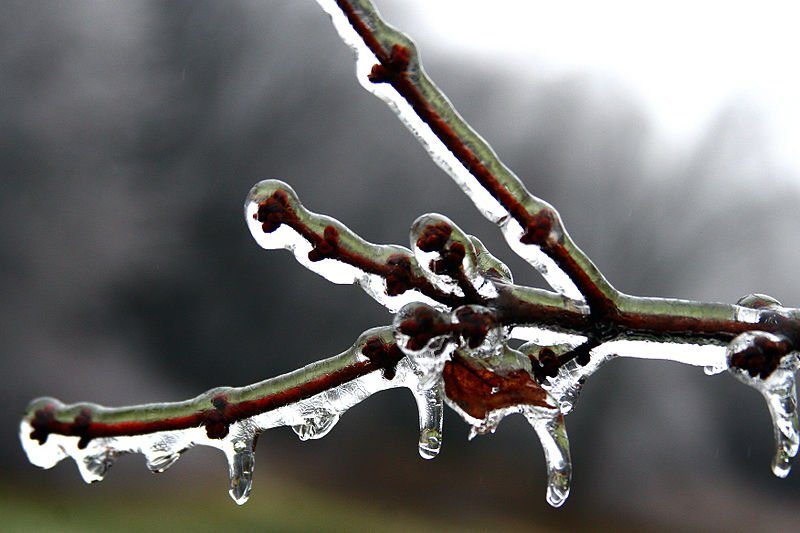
(779, 391)
(548, 422)
(430, 406)
(241, 462)
(549, 426)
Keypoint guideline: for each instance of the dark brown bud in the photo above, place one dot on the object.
(538, 228)
(434, 236)
(272, 210)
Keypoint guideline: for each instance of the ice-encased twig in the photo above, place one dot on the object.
(310, 400)
(390, 274)
(388, 66)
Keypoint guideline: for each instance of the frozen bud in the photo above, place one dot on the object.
(481, 333)
(421, 328)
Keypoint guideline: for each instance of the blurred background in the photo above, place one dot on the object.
(130, 133)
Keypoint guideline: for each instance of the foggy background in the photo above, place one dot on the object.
(130, 133)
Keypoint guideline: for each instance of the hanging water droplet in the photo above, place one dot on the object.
(316, 426)
(549, 426)
(241, 465)
(430, 443)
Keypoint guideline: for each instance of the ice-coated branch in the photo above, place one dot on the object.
(388, 66)
(761, 335)
(456, 310)
(310, 400)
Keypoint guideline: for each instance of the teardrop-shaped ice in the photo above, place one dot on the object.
(779, 391)
(94, 467)
(317, 425)
(240, 468)
(549, 426)
(430, 406)
(159, 463)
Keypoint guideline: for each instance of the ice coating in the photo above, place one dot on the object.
(556, 278)
(311, 416)
(456, 308)
(544, 417)
(448, 257)
(779, 391)
(565, 387)
(489, 265)
(277, 220)
(469, 166)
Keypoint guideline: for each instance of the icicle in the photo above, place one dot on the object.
(506, 376)
(316, 425)
(549, 426)
(50, 430)
(778, 389)
(430, 406)
(241, 462)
